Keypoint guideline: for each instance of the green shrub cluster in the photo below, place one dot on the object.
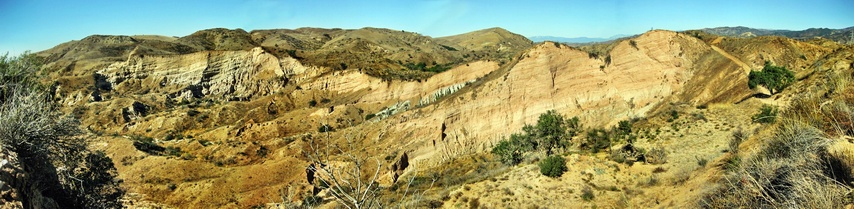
(551, 132)
(508, 152)
(436, 68)
(553, 166)
(775, 78)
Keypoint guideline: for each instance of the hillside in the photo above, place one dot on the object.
(233, 119)
(384, 53)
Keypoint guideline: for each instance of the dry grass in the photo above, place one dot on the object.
(796, 167)
(788, 172)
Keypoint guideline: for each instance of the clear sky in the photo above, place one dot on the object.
(40, 24)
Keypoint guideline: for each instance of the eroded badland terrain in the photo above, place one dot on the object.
(233, 119)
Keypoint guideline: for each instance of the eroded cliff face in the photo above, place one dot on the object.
(218, 75)
(236, 114)
(651, 72)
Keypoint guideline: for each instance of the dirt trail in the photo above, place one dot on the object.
(777, 101)
(729, 56)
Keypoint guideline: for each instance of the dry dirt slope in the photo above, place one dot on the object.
(241, 118)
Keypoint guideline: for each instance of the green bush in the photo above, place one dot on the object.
(553, 166)
(775, 78)
(551, 131)
(507, 152)
(767, 114)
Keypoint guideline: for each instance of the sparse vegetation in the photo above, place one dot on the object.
(598, 139)
(353, 185)
(587, 194)
(794, 167)
(656, 156)
(767, 114)
(738, 136)
(789, 172)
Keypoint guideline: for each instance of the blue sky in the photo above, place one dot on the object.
(40, 24)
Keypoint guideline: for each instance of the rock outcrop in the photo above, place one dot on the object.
(16, 189)
(12, 180)
(222, 76)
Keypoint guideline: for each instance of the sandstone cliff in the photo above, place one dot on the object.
(238, 106)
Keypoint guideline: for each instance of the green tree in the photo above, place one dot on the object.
(775, 78)
(523, 142)
(528, 140)
(550, 130)
(573, 128)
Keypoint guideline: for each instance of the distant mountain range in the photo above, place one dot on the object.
(839, 35)
(843, 35)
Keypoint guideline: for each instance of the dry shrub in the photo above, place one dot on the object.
(474, 203)
(833, 116)
(738, 135)
(656, 156)
(59, 170)
(790, 171)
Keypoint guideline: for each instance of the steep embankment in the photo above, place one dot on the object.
(647, 73)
